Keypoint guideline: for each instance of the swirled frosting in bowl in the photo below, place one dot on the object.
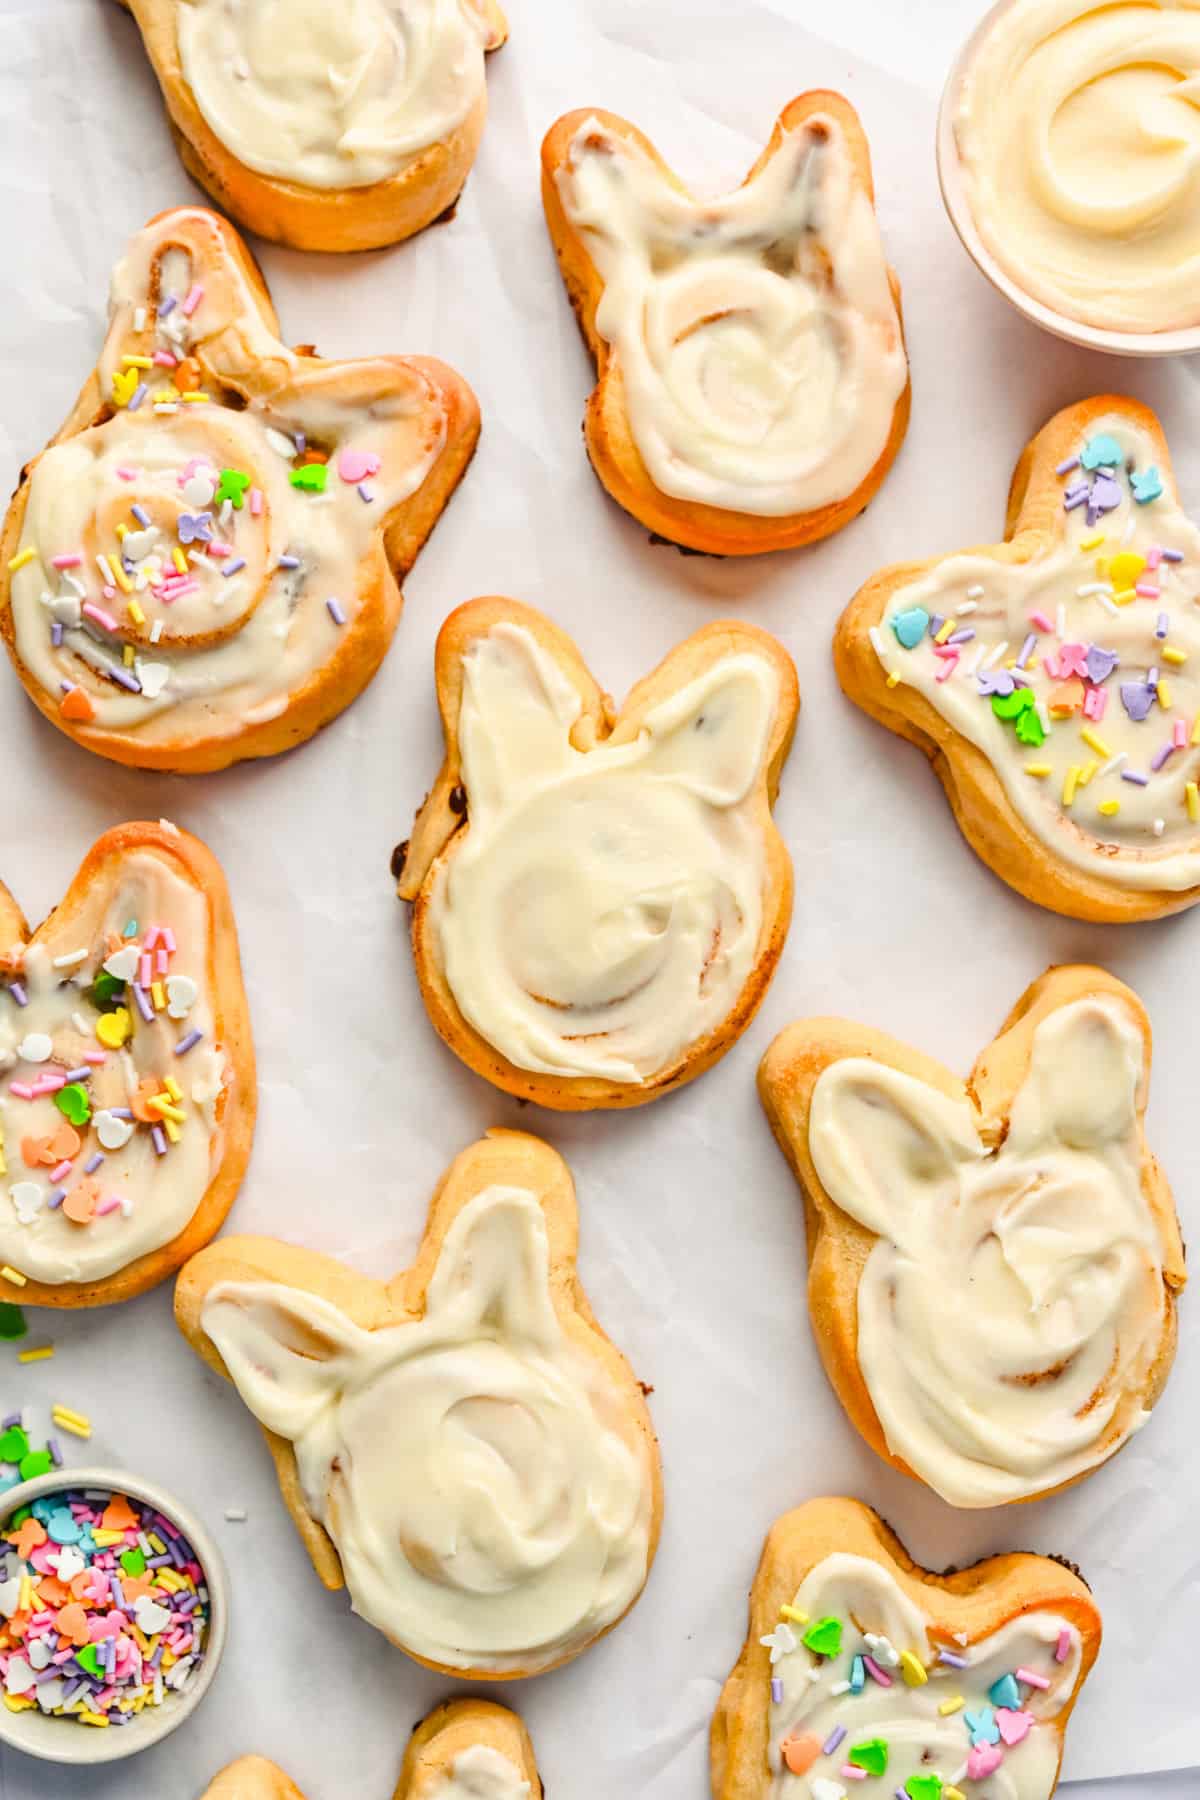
(1012, 1306)
(1077, 126)
(332, 96)
(490, 1506)
(757, 335)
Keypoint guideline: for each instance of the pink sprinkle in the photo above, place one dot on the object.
(852, 1772)
(256, 501)
(1063, 1647)
(93, 1056)
(215, 549)
(165, 360)
(947, 669)
(355, 465)
(1040, 620)
(110, 1203)
(48, 1084)
(126, 473)
(145, 970)
(189, 468)
(151, 936)
(169, 939)
(876, 1673)
(61, 1172)
(162, 962)
(1181, 734)
(109, 592)
(1095, 703)
(99, 615)
(1153, 557)
(1031, 1679)
(21, 1089)
(66, 562)
(193, 300)
(1149, 590)
(984, 1760)
(944, 650)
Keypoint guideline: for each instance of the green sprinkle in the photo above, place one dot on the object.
(73, 1101)
(824, 1637)
(13, 1445)
(89, 1658)
(1011, 706)
(133, 1562)
(38, 1462)
(13, 1323)
(924, 1787)
(312, 477)
(232, 487)
(871, 1756)
(106, 991)
(1030, 729)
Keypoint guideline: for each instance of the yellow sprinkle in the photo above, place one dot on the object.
(1164, 696)
(3, 1164)
(1124, 597)
(135, 612)
(1102, 567)
(1095, 743)
(158, 994)
(136, 362)
(25, 1598)
(91, 1718)
(1196, 730)
(165, 1108)
(947, 630)
(119, 576)
(15, 1703)
(194, 397)
(1192, 795)
(173, 1088)
(1173, 656)
(13, 1275)
(172, 1130)
(912, 1669)
(1126, 568)
(160, 1549)
(127, 655)
(794, 1614)
(1092, 543)
(122, 531)
(105, 1538)
(1039, 769)
(1070, 784)
(893, 679)
(21, 558)
(42, 1354)
(140, 1640)
(1110, 808)
(953, 1793)
(72, 1422)
(950, 1706)
(179, 559)
(1088, 770)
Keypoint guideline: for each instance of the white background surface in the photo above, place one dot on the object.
(692, 1232)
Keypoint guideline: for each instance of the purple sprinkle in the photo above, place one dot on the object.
(140, 514)
(1172, 556)
(1100, 663)
(1105, 496)
(962, 636)
(158, 1562)
(900, 1794)
(1075, 497)
(143, 1004)
(55, 1200)
(138, 395)
(121, 1112)
(833, 1740)
(118, 1591)
(167, 306)
(93, 1162)
(12, 1419)
(952, 1659)
(1064, 468)
(17, 990)
(364, 493)
(1027, 649)
(334, 608)
(55, 1449)
(300, 441)
(125, 679)
(66, 686)
(186, 1043)
(80, 1074)
(234, 566)
(56, 634)
(288, 562)
(1137, 697)
(1160, 630)
(996, 681)
(1132, 775)
(1160, 756)
(936, 623)
(160, 1145)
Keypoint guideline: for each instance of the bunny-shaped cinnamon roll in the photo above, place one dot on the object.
(462, 1446)
(600, 901)
(993, 1268)
(203, 565)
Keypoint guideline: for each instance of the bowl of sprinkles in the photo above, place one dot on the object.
(113, 1608)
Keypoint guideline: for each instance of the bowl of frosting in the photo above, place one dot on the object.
(1069, 158)
(113, 1606)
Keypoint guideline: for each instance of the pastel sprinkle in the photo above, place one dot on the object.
(1031, 1678)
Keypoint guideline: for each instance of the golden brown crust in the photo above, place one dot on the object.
(438, 1740)
(194, 863)
(838, 1246)
(338, 219)
(613, 452)
(975, 1602)
(402, 531)
(443, 822)
(502, 1158)
(985, 815)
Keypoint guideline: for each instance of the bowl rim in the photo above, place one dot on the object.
(80, 1746)
(1182, 341)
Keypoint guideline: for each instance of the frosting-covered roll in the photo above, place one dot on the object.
(1079, 137)
(481, 1459)
(127, 1093)
(198, 568)
(751, 345)
(610, 902)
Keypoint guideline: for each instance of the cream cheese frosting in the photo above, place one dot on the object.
(182, 565)
(757, 337)
(481, 1773)
(829, 1705)
(1078, 131)
(1077, 672)
(603, 910)
(95, 1021)
(332, 96)
(1012, 1306)
(489, 1507)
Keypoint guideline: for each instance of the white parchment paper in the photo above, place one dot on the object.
(693, 1247)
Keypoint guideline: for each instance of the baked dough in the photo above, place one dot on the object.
(752, 384)
(462, 1446)
(832, 1570)
(600, 898)
(1054, 679)
(251, 509)
(128, 1098)
(993, 1267)
(325, 127)
(464, 1750)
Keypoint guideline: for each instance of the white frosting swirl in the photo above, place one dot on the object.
(332, 96)
(481, 1773)
(603, 910)
(490, 1505)
(1078, 127)
(757, 338)
(921, 1740)
(1012, 1306)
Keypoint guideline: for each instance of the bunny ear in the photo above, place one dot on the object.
(493, 1270)
(1087, 1068)
(288, 1353)
(712, 737)
(877, 1135)
(515, 716)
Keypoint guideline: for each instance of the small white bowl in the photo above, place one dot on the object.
(954, 193)
(64, 1740)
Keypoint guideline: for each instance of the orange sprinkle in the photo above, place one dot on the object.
(77, 706)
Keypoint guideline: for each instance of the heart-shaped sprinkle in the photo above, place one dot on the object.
(35, 1047)
(133, 1561)
(113, 1133)
(181, 996)
(1014, 1726)
(910, 626)
(28, 1199)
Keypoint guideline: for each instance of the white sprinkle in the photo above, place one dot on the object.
(976, 592)
(282, 446)
(1108, 606)
(1159, 827)
(972, 668)
(235, 1514)
(967, 606)
(165, 406)
(1094, 587)
(156, 631)
(71, 959)
(994, 654)
(1130, 528)
(81, 1025)
(1114, 762)
(1039, 706)
(1060, 621)
(139, 318)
